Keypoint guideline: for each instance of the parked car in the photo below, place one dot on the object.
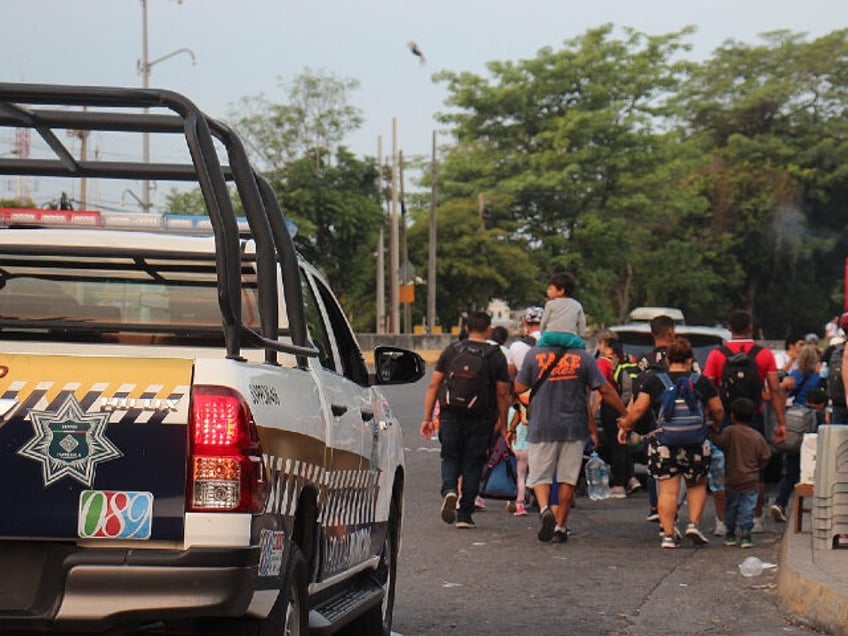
(636, 338)
(645, 314)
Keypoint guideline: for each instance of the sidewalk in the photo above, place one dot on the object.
(813, 584)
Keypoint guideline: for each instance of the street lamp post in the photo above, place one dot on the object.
(144, 66)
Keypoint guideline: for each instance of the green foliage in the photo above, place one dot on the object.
(657, 180)
(338, 213)
(573, 139)
(185, 202)
(14, 203)
(312, 122)
(474, 263)
(654, 179)
(766, 117)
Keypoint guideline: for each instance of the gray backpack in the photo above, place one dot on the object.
(799, 420)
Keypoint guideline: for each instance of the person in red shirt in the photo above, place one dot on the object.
(741, 341)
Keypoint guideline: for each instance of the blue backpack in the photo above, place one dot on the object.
(681, 420)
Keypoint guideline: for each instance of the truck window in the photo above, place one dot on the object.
(351, 358)
(68, 295)
(315, 323)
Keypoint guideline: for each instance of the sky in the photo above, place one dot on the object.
(246, 48)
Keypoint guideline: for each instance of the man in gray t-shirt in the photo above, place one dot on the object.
(559, 425)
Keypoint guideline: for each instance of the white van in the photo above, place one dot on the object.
(645, 314)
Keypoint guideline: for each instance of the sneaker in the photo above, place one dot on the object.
(520, 510)
(449, 507)
(618, 492)
(746, 542)
(560, 536)
(633, 485)
(758, 528)
(720, 529)
(675, 533)
(511, 506)
(668, 542)
(730, 540)
(479, 504)
(694, 533)
(465, 523)
(546, 529)
(778, 513)
(653, 516)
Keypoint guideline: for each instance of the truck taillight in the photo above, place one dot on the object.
(226, 472)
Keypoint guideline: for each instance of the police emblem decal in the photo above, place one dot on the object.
(69, 443)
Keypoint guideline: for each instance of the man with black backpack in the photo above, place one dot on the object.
(740, 368)
(472, 385)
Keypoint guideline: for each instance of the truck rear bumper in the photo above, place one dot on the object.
(88, 588)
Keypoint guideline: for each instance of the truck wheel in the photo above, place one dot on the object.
(378, 620)
(288, 617)
(290, 614)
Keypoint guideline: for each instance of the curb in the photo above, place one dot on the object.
(808, 590)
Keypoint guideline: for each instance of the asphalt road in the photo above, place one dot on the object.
(610, 578)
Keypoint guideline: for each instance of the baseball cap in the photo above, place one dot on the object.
(811, 337)
(533, 314)
(843, 321)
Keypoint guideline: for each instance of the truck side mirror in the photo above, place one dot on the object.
(397, 366)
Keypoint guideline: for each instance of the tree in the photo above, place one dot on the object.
(474, 263)
(313, 121)
(14, 203)
(575, 138)
(338, 213)
(770, 119)
(185, 202)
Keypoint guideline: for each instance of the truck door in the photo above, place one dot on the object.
(351, 495)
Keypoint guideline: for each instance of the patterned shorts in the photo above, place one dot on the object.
(665, 462)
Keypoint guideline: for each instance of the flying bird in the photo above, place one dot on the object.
(413, 46)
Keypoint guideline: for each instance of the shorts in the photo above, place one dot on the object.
(666, 462)
(547, 460)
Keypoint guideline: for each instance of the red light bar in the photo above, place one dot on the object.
(28, 216)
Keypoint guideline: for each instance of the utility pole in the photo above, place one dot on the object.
(394, 289)
(406, 277)
(83, 137)
(431, 255)
(145, 82)
(144, 66)
(381, 261)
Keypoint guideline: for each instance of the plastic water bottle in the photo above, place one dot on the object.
(597, 477)
(716, 478)
(751, 566)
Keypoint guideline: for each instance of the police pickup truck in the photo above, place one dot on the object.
(190, 440)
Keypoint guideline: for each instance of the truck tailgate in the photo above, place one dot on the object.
(93, 446)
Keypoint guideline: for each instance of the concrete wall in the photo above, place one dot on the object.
(415, 342)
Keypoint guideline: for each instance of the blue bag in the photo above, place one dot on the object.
(681, 420)
(498, 478)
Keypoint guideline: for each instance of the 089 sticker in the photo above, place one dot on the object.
(271, 544)
(112, 514)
